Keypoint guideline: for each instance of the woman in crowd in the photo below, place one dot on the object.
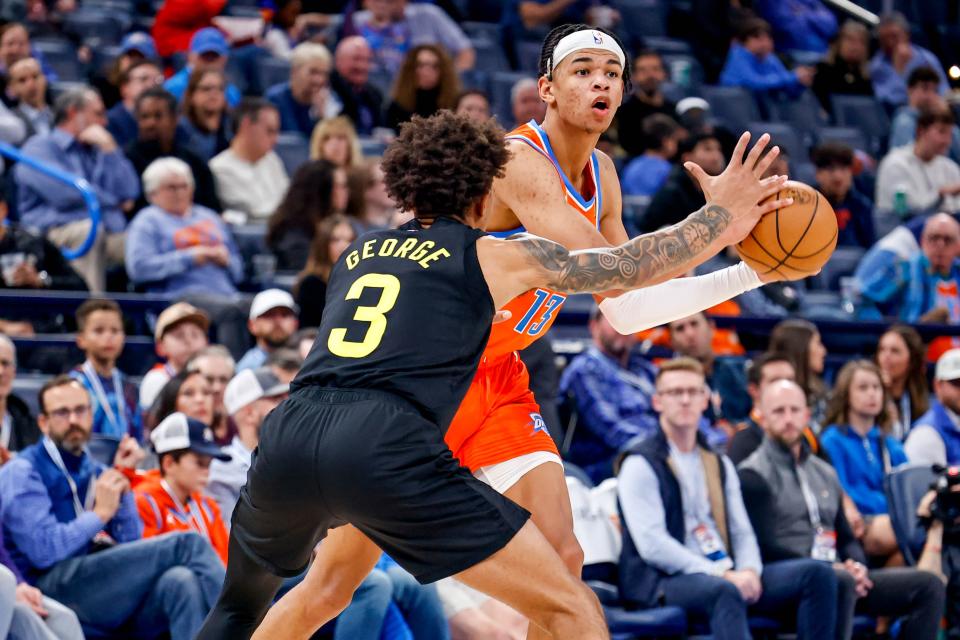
(205, 117)
(333, 236)
(862, 451)
(217, 367)
(473, 103)
(846, 67)
(187, 392)
(318, 189)
(800, 340)
(335, 140)
(426, 83)
(900, 356)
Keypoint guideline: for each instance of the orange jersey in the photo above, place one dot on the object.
(534, 311)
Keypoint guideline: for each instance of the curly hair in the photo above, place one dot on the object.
(559, 33)
(440, 166)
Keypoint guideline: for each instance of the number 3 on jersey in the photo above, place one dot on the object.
(548, 302)
(389, 287)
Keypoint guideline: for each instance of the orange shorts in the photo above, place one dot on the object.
(499, 419)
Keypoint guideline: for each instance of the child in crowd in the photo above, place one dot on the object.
(181, 333)
(100, 336)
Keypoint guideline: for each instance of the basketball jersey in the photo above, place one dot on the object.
(533, 312)
(407, 312)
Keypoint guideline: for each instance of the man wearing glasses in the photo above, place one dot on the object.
(687, 538)
(72, 527)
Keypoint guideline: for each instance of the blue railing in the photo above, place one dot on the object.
(80, 184)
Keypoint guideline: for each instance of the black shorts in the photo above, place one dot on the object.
(329, 457)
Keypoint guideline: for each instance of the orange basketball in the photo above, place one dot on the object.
(794, 241)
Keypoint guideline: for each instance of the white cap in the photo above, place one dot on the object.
(271, 299)
(948, 366)
(249, 386)
(177, 432)
(692, 103)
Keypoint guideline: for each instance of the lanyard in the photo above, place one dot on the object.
(196, 520)
(117, 422)
(813, 509)
(6, 429)
(54, 454)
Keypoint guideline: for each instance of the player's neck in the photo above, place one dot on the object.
(572, 146)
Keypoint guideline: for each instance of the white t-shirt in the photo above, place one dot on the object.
(255, 188)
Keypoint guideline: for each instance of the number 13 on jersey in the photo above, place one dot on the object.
(375, 316)
(545, 302)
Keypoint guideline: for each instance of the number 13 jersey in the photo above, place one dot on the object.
(408, 312)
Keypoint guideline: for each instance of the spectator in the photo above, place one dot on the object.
(249, 175)
(306, 98)
(335, 140)
(900, 356)
(79, 144)
(933, 274)
(834, 163)
(378, 207)
(896, 59)
(799, 25)
(177, 247)
(179, 21)
(693, 337)
(303, 340)
(205, 119)
(188, 393)
(18, 429)
(765, 369)
(288, 27)
(15, 46)
(217, 367)
(645, 175)
(525, 102)
(687, 539)
(249, 397)
(473, 103)
(425, 83)
(796, 522)
(800, 341)
(101, 337)
(534, 15)
(135, 47)
(362, 102)
(923, 93)
(610, 386)
(208, 50)
(680, 192)
(180, 333)
(935, 436)
(393, 27)
(91, 556)
(751, 64)
(27, 84)
(173, 498)
(646, 99)
(121, 118)
(157, 137)
(273, 319)
(334, 235)
(845, 70)
(285, 363)
(316, 192)
(863, 452)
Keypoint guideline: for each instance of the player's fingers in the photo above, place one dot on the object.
(698, 173)
(773, 205)
(501, 316)
(776, 180)
(764, 163)
(740, 149)
(756, 151)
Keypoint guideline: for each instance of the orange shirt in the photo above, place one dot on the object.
(162, 512)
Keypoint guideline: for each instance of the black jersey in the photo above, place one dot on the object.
(408, 312)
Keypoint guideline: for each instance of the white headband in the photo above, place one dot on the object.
(586, 39)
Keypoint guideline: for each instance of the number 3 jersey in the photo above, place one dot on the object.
(407, 312)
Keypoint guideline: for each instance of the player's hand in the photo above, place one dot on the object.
(501, 316)
(741, 188)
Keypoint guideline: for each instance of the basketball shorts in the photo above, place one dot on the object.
(329, 457)
(499, 419)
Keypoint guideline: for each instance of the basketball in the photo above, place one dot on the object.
(794, 241)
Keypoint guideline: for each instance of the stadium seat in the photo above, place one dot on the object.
(528, 55)
(97, 25)
(821, 299)
(905, 487)
(60, 56)
(372, 148)
(666, 46)
(644, 18)
(490, 56)
(849, 136)
(841, 264)
(804, 114)
(26, 387)
(734, 106)
(103, 448)
(785, 136)
(866, 114)
(803, 172)
(250, 239)
(500, 85)
(572, 470)
(633, 210)
(490, 31)
(473, 79)
(293, 149)
(271, 71)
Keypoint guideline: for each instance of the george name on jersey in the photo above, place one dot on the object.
(420, 251)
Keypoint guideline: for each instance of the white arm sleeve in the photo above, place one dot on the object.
(642, 309)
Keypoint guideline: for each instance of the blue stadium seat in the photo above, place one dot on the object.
(26, 387)
(293, 149)
(821, 299)
(251, 241)
(849, 136)
(490, 31)
(866, 114)
(490, 55)
(841, 264)
(528, 55)
(645, 18)
(372, 148)
(473, 79)
(93, 24)
(905, 487)
(804, 114)
(803, 172)
(500, 85)
(668, 46)
(60, 56)
(784, 136)
(271, 71)
(103, 448)
(734, 106)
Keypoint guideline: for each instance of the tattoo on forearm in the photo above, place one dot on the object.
(635, 263)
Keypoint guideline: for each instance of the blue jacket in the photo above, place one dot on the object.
(293, 115)
(937, 418)
(643, 176)
(921, 289)
(40, 524)
(743, 69)
(122, 125)
(890, 86)
(799, 25)
(859, 463)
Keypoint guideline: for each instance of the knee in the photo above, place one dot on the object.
(818, 575)
(725, 593)
(931, 589)
(178, 579)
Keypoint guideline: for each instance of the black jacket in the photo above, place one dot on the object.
(141, 154)
(25, 431)
(363, 105)
(678, 198)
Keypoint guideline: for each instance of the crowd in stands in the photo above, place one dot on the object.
(233, 148)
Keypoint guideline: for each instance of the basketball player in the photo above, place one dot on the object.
(360, 440)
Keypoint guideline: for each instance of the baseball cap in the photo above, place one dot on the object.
(249, 386)
(948, 366)
(271, 299)
(177, 313)
(209, 39)
(692, 103)
(139, 41)
(177, 432)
